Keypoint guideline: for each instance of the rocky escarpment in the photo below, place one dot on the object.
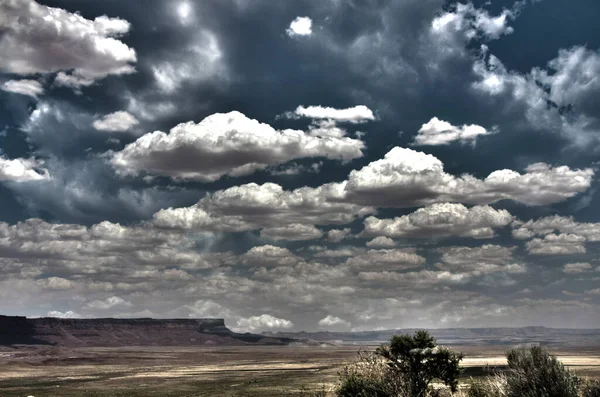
(125, 332)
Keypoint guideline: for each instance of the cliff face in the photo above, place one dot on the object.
(124, 332)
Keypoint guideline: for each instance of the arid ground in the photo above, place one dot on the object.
(209, 371)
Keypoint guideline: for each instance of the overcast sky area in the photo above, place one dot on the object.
(301, 165)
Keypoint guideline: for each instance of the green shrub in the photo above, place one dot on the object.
(536, 373)
(591, 389)
(492, 386)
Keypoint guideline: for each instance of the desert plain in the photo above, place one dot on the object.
(45, 371)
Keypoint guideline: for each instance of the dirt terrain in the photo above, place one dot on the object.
(209, 371)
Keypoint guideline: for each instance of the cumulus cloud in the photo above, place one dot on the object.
(567, 82)
(441, 220)
(333, 322)
(300, 26)
(268, 255)
(556, 223)
(55, 283)
(557, 244)
(356, 114)
(41, 39)
(385, 259)
(381, 242)
(292, 232)
(439, 132)
(337, 235)
(226, 144)
(117, 121)
(465, 22)
(263, 322)
(576, 268)
(485, 259)
(22, 170)
(407, 178)
(59, 314)
(31, 88)
(253, 206)
(108, 303)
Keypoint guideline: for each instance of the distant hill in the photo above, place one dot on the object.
(467, 336)
(126, 332)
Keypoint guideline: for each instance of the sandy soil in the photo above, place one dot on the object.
(207, 371)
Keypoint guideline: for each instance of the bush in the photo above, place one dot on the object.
(493, 386)
(591, 389)
(536, 373)
(370, 376)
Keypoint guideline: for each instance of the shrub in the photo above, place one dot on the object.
(492, 386)
(370, 376)
(591, 389)
(536, 373)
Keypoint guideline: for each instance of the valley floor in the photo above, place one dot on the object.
(210, 371)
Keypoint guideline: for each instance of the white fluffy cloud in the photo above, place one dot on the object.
(108, 303)
(333, 322)
(407, 178)
(22, 170)
(337, 235)
(263, 322)
(577, 267)
(117, 121)
(444, 219)
(269, 255)
(485, 259)
(292, 232)
(253, 206)
(385, 259)
(381, 242)
(31, 88)
(439, 132)
(59, 314)
(226, 144)
(300, 26)
(41, 39)
(356, 114)
(557, 244)
(556, 223)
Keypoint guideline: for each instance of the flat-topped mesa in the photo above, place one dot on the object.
(124, 332)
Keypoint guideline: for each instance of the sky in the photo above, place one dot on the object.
(308, 165)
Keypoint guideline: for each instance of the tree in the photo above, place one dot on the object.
(421, 360)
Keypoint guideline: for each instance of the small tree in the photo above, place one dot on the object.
(418, 358)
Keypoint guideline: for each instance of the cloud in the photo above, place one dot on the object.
(292, 232)
(300, 26)
(381, 242)
(558, 99)
(253, 206)
(337, 235)
(485, 259)
(356, 114)
(555, 223)
(441, 220)
(385, 259)
(333, 321)
(31, 88)
(225, 144)
(557, 244)
(117, 121)
(439, 132)
(576, 268)
(22, 170)
(263, 322)
(67, 314)
(55, 283)
(41, 39)
(268, 255)
(108, 303)
(407, 178)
